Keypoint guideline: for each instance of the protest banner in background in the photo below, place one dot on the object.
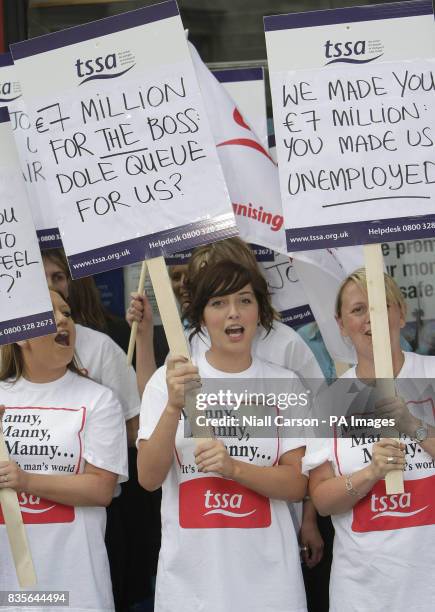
(250, 173)
(25, 305)
(288, 296)
(412, 265)
(247, 88)
(131, 165)
(355, 124)
(30, 160)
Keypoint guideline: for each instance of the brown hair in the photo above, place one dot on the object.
(231, 249)
(83, 296)
(359, 277)
(224, 278)
(12, 361)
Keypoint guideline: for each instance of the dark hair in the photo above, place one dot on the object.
(12, 362)
(224, 278)
(83, 296)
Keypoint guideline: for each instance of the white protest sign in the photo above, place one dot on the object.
(250, 173)
(247, 88)
(288, 296)
(30, 160)
(355, 141)
(131, 283)
(131, 165)
(25, 305)
(412, 265)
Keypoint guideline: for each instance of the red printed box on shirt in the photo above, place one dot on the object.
(217, 503)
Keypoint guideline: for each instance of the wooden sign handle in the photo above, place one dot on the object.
(174, 331)
(16, 530)
(133, 332)
(374, 264)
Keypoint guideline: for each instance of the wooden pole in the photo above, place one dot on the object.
(133, 332)
(174, 331)
(16, 530)
(374, 264)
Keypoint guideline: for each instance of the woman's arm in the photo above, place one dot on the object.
(284, 481)
(329, 493)
(94, 487)
(156, 454)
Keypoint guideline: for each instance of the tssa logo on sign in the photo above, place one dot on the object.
(353, 52)
(8, 91)
(107, 66)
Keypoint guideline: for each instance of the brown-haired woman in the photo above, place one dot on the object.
(383, 546)
(227, 542)
(66, 439)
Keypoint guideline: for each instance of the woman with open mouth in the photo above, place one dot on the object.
(228, 542)
(67, 443)
(384, 553)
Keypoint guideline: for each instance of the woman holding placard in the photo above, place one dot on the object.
(227, 542)
(67, 444)
(383, 548)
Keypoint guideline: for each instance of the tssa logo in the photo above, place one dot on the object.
(216, 503)
(351, 51)
(224, 503)
(6, 90)
(36, 510)
(104, 66)
(392, 505)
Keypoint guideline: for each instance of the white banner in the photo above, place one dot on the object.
(25, 305)
(131, 165)
(250, 173)
(247, 88)
(355, 141)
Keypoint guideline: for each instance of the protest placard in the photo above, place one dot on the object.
(288, 296)
(353, 143)
(130, 162)
(412, 265)
(30, 160)
(355, 125)
(26, 309)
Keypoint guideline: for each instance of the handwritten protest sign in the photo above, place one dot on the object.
(288, 296)
(130, 162)
(355, 140)
(348, 141)
(30, 160)
(26, 309)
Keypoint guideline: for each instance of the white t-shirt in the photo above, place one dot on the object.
(106, 363)
(282, 347)
(224, 547)
(384, 548)
(53, 428)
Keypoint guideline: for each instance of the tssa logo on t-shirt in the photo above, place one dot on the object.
(352, 52)
(36, 510)
(218, 503)
(379, 511)
(107, 66)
